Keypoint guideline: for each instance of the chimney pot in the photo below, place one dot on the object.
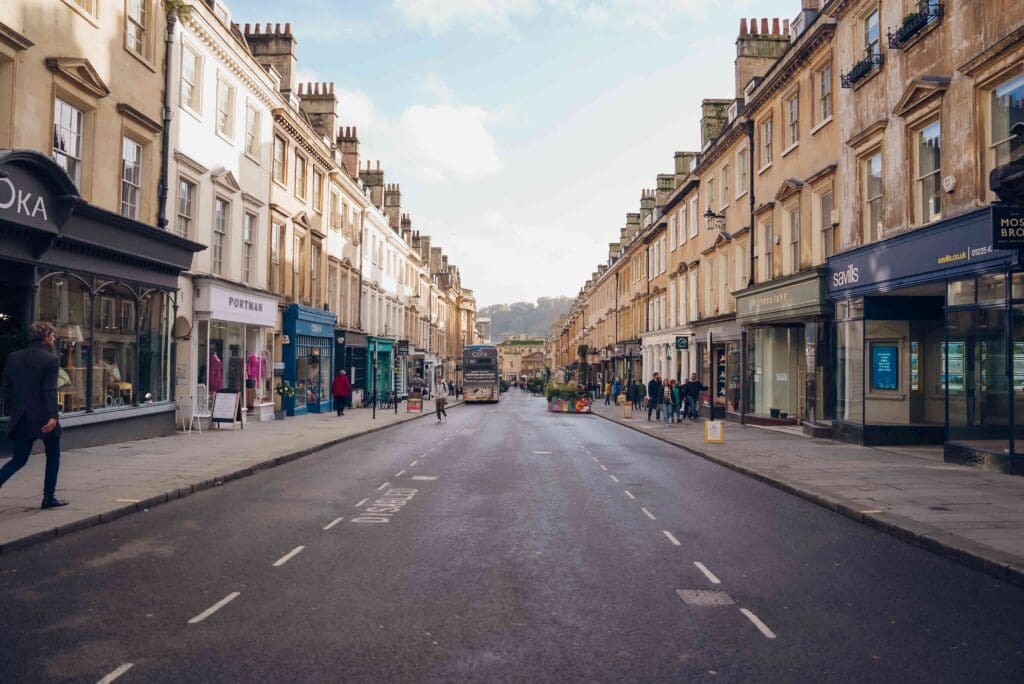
(288, 28)
(277, 29)
(268, 30)
(378, 164)
(332, 87)
(247, 28)
(257, 29)
(785, 27)
(775, 26)
(764, 25)
(743, 27)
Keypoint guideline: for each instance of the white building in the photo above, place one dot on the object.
(219, 177)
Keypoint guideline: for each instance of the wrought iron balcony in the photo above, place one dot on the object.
(862, 68)
(928, 11)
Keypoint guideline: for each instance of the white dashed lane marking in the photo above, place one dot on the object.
(614, 479)
(542, 452)
(116, 673)
(671, 538)
(707, 573)
(288, 556)
(383, 486)
(333, 523)
(215, 607)
(413, 463)
(629, 494)
(400, 473)
(424, 477)
(604, 467)
(761, 627)
(362, 502)
(648, 513)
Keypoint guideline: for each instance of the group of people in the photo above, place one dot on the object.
(670, 401)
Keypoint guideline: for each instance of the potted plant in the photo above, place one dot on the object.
(285, 390)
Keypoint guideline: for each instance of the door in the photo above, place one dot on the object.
(975, 364)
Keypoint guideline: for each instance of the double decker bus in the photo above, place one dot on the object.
(480, 382)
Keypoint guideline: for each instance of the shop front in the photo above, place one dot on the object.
(380, 365)
(627, 358)
(787, 329)
(351, 352)
(929, 342)
(720, 367)
(308, 359)
(233, 346)
(107, 284)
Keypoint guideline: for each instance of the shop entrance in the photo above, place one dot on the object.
(975, 360)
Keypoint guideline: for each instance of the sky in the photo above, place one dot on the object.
(521, 131)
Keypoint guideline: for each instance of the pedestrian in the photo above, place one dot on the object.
(616, 388)
(638, 394)
(341, 389)
(29, 387)
(691, 395)
(666, 400)
(607, 393)
(654, 394)
(673, 388)
(439, 402)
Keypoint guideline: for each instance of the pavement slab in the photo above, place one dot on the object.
(985, 516)
(110, 481)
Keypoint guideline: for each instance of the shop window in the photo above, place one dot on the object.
(885, 366)
(155, 342)
(115, 350)
(63, 301)
(992, 288)
(225, 360)
(871, 194)
(1006, 109)
(961, 292)
(928, 163)
(1017, 287)
(850, 371)
(191, 79)
(68, 132)
(131, 178)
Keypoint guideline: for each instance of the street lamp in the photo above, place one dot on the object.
(714, 221)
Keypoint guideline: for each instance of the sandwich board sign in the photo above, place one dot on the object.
(226, 409)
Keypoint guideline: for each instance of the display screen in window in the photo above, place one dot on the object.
(885, 364)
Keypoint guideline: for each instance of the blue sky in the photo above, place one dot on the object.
(521, 131)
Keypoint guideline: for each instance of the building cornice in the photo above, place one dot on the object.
(794, 59)
(283, 119)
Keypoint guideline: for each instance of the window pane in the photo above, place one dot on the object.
(1007, 110)
(115, 349)
(63, 301)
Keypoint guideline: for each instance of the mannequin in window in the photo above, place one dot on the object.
(253, 373)
(216, 373)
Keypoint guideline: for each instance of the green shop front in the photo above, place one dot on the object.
(308, 359)
(929, 342)
(787, 329)
(380, 365)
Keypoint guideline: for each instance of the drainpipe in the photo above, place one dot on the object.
(165, 138)
(750, 194)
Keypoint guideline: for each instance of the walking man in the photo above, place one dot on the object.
(654, 393)
(29, 387)
(691, 395)
(341, 388)
(439, 402)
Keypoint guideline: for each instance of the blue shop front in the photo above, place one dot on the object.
(308, 359)
(929, 342)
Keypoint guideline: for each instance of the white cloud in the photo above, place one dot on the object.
(500, 15)
(438, 88)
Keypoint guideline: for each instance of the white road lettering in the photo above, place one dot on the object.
(383, 509)
(215, 607)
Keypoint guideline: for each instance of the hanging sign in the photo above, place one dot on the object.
(1007, 227)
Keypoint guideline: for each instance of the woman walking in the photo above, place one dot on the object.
(439, 402)
(341, 388)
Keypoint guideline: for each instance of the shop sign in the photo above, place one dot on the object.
(1007, 227)
(237, 306)
(402, 348)
(957, 246)
(793, 298)
(23, 200)
(682, 342)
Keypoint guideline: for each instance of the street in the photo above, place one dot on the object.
(507, 544)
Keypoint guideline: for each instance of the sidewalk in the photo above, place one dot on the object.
(965, 514)
(106, 482)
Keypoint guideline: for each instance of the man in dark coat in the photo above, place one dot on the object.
(654, 394)
(691, 397)
(29, 387)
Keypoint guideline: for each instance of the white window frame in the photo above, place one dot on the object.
(252, 130)
(185, 207)
(131, 178)
(250, 226)
(219, 242)
(69, 157)
(871, 233)
(224, 113)
(192, 91)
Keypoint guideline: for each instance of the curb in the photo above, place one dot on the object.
(1004, 567)
(189, 489)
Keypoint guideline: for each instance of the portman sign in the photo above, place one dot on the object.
(223, 303)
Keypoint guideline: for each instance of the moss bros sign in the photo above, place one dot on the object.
(1007, 227)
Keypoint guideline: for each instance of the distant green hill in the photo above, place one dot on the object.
(524, 318)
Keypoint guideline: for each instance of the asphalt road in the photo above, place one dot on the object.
(507, 544)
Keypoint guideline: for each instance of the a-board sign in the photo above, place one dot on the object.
(225, 408)
(714, 431)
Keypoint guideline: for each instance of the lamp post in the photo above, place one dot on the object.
(714, 221)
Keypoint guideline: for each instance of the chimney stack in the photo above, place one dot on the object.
(320, 104)
(393, 205)
(374, 180)
(713, 119)
(682, 164)
(276, 47)
(348, 145)
(757, 50)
